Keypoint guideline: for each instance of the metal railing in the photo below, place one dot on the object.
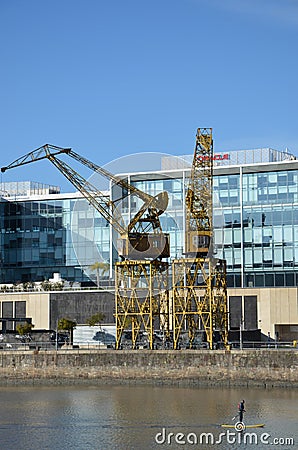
(49, 346)
(96, 346)
(9, 289)
(278, 345)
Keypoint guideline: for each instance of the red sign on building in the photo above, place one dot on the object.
(216, 157)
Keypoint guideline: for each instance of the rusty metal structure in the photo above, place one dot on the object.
(141, 291)
(199, 280)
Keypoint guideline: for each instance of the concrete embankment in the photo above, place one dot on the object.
(264, 368)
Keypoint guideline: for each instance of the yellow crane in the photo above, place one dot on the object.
(199, 279)
(141, 289)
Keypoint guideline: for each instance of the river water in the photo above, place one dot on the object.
(145, 417)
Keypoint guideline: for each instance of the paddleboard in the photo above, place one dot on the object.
(257, 425)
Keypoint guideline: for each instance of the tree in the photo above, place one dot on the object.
(101, 268)
(95, 319)
(67, 325)
(24, 330)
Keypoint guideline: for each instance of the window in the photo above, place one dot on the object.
(269, 279)
(277, 255)
(20, 309)
(279, 279)
(250, 312)
(235, 309)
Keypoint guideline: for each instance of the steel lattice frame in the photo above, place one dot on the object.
(199, 299)
(198, 200)
(142, 304)
(199, 280)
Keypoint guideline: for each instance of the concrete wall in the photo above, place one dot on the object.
(80, 305)
(256, 367)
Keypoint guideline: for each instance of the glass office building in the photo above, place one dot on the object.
(255, 213)
(255, 221)
(46, 232)
(260, 227)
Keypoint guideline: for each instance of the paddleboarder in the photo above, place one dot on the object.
(241, 410)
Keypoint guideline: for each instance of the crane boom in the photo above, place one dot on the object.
(48, 150)
(36, 155)
(91, 193)
(154, 205)
(116, 179)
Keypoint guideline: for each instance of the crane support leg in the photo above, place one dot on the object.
(199, 299)
(141, 297)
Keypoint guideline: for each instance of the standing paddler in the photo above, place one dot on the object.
(241, 410)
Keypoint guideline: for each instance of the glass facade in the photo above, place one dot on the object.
(255, 226)
(258, 233)
(39, 238)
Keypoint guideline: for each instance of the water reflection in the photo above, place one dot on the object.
(129, 417)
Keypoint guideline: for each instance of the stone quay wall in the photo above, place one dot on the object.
(267, 368)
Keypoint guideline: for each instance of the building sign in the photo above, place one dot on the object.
(216, 157)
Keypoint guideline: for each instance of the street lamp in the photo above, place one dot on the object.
(240, 333)
(56, 343)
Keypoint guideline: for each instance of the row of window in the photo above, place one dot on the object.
(271, 188)
(252, 279)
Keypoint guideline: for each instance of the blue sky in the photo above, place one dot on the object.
(114, 77)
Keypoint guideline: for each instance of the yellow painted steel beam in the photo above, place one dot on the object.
(141, 293)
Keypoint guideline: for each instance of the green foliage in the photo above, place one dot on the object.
(95, 319)
(46, 285)
(102, 266)
(28, 286)
(58, 286)
(66, 324)
(24, 328)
